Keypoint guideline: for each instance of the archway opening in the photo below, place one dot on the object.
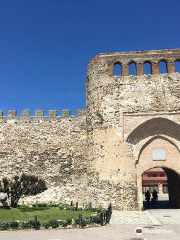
(166, 183)
(117, 69)
(163, 66)
(177, 65)
(132, 68)
(147, 67)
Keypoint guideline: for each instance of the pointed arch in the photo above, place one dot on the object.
(152, 127)
(151, 140)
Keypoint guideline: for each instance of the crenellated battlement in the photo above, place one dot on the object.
(39, 115)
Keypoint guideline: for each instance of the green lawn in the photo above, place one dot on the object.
(43, 215)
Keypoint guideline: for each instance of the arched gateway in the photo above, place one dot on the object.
(156, 144)
(131, 124)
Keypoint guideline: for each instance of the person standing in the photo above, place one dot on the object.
(148, 197)
(155, 196)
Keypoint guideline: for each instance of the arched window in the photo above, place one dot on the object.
(163, 66)
(147, 67)
(177, 63)
(117, 69)
(132, 68)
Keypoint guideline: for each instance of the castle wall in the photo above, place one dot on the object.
(51, 147)
(99, 155)
(116, 105)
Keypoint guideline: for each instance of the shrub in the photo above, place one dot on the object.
(46, 225)
(14, 225)
(53, 205)
(72, 208)
(33, 208)
(63, 223)
(51, 223)
(73, 223)
(26, 225)
(42, 205)
(38, 208)
(4, 226)
(83, 222)
(67, 207)
(98, 210)
(62, 206)
(89, 220)
(23, 206)
(35, 224)
(39, 205)
(54, 223)
(96, 219)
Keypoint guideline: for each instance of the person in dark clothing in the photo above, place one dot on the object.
(155, 197)
(148, 197)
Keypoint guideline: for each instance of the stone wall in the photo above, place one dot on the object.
(99, 155)
(116, 106)
(51, 147)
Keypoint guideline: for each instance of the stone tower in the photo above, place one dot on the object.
(130, 118)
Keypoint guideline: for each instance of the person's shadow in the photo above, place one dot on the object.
(162, 204)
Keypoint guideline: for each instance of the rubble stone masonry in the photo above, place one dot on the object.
(99, 155)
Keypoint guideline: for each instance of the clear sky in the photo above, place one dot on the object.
(45, 45)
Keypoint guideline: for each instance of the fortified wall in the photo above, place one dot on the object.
(100, 155)
(128, 117)
(51, 147)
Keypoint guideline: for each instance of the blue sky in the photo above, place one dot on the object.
(45, 45)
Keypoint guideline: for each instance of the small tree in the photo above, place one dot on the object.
(18, 187)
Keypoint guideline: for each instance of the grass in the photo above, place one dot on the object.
(43, 215)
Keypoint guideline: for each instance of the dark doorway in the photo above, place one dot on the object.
(166, 182)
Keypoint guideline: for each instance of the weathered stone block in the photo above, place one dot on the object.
(12, 114)
(25, 113)
(39, 113)
(66, 113)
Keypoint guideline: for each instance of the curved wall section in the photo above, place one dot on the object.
(116, 108)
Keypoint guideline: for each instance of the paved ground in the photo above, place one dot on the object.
(166, 216)
(115, 232)
(129, 217)
(156, 224)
